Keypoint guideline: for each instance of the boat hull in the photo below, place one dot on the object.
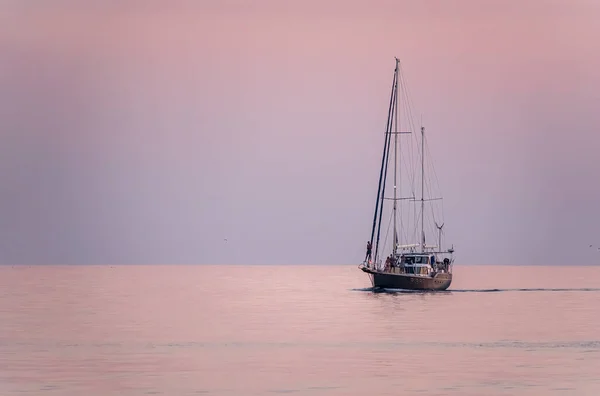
(440, 281)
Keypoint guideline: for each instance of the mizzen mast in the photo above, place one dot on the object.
(422, 189)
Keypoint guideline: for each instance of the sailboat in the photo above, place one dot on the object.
(398, 256)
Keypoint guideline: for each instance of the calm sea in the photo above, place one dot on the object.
(298, 330)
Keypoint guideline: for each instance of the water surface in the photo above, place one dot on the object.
(302, 330)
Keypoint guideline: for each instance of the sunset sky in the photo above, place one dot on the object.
(147, 132)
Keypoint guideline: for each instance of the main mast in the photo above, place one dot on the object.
(384, 166)
(395, 240)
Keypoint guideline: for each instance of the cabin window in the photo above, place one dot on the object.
(418, 260)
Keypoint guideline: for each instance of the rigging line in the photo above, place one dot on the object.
(387, 159)
(431, 184)
(385, 148)
(437, 182)
(394, 98)
(386, 234)
(412, 157)
(381, 207)
(405, 230)
(427, 186)
(409, 104)
(440, 240)
(430, 192)
(436, 213)
(409, 108)
(406, 104)
(407, 160)
(416, 225)
(432, 213)
(430, 163)
(400, 173)
(408, 94)
(434, 208)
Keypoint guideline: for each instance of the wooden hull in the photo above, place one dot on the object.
(440, 281)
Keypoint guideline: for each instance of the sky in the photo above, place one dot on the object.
(235, 132)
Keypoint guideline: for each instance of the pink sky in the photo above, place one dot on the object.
(149, 133)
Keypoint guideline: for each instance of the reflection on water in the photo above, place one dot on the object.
(231, 330)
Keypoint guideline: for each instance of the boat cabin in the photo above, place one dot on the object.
(418, 264)
(413, 259)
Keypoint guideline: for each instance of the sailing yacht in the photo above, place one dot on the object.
(399, 257)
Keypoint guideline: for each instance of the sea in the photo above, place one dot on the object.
(296, 330)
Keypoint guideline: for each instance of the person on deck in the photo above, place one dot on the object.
(368, 256)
